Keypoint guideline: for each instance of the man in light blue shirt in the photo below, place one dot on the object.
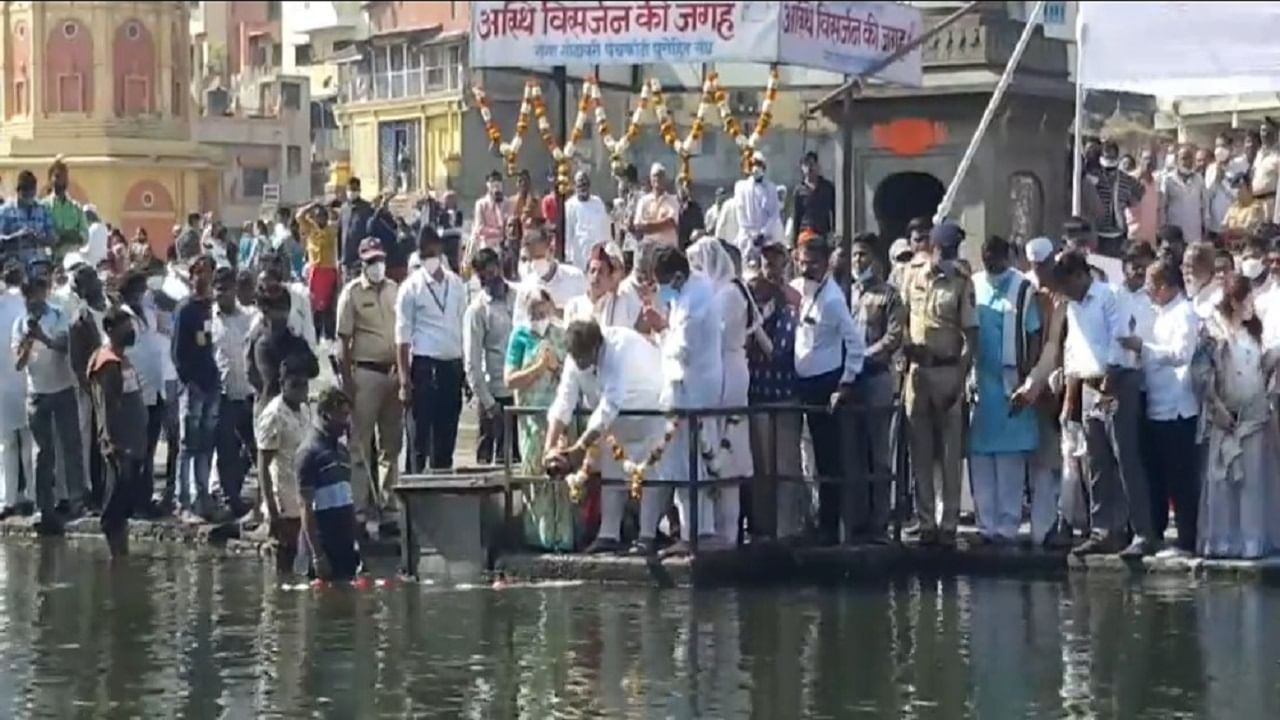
(1002, 441)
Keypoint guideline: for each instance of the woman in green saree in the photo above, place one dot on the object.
(535, 355)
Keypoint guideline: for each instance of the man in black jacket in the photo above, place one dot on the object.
(815, 201)
(353, 223)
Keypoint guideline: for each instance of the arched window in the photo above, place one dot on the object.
(134, 66)
(68, 68)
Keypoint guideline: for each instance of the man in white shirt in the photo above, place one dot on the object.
(1203, 287)
(607, 301)
(1172, 407)
(429, 318)
(657, 211)
(755, 202)
(95, 247)
(692, 374)
(1183, 200)
(829, 350)
(16, 445)
(712, 215)
(1109, 402)
(40, 347)
(234, 433)
(610, 369)
(586, 222)
(540, 270)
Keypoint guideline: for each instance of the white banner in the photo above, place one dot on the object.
(850, 37)
(1196, 48)
(844, 37)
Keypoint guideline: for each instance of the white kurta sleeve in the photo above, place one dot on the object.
(567, 393)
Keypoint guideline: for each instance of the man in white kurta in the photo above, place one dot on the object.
(692, 374)
(756, 208)
(610, 370)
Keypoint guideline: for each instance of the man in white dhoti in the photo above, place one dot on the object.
(610, 370)
(692, 375)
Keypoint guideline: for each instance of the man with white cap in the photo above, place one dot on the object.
(95, 249)
(1043, 388)
(756, 209)
(586, 222)
(657, 211)
(900, 254)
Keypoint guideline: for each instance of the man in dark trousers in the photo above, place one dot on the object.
(117, 399)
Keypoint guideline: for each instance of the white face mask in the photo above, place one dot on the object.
(431, 265)
(376, 272)
(866, 275)
(155, 282)
(757, 173)
(540, 326)
(540, 267)
(1108, 163)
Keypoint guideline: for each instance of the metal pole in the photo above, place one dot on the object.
(694, 440)
(562, 86)
(1077, 162)
(945, 206)
(508, 432)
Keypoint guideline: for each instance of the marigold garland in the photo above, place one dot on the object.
(633, 471)
(561, 155)
(509, 150)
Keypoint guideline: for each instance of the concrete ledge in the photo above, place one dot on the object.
(778, 564)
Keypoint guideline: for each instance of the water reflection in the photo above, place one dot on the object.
(193, 638)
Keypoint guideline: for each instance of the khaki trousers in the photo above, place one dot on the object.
(934, 416)
(377, 407)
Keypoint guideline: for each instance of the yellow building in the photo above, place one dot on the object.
(400, 95)
(105, 85)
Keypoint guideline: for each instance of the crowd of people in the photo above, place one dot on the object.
(1089, 383)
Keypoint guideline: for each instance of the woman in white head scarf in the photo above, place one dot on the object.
(739, 318)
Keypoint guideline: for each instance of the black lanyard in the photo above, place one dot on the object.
(805, 315)
(440, 302)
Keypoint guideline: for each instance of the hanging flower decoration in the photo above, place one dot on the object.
(765, 121)
(633, 471)
(667, 126)
(617, 147)
(549, 139)
(509, 150)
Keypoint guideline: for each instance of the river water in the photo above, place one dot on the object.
(180, 636)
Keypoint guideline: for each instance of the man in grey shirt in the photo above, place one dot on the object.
(486, 328)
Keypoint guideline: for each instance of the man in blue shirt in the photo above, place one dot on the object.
(26, 227)
(324, 484)
(193, 357)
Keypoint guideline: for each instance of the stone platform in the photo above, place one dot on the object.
(752, 565)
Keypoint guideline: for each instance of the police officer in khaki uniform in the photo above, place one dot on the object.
(941, 336)
(367, 353)
(879, 308)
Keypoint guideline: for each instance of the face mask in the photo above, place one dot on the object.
(1108, 163)
(866, 275)
(584, 193)
(376, 272)
(667, 295)
(495, 189)
(1221, 154)
(757, 173)
(540, 326)
(431, 265)
(540, 267)
(129, 338)
(155, 282)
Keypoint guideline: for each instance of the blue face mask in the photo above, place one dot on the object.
(667, 295)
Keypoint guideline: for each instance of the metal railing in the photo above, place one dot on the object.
(857, 479)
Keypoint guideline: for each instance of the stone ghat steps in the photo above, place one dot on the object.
(755, 564)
